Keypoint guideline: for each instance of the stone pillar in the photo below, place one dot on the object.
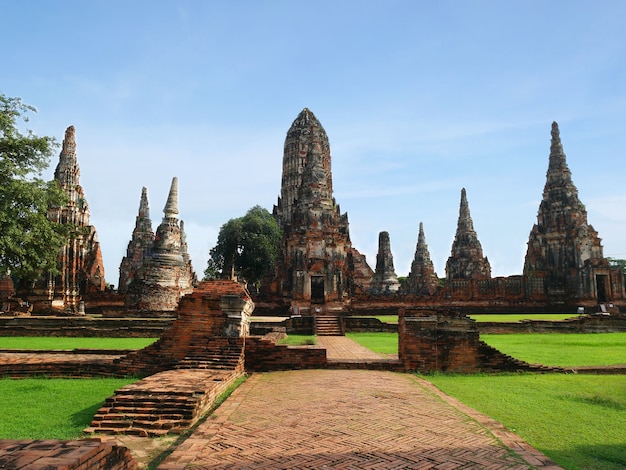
(385, 279)
(238, 311)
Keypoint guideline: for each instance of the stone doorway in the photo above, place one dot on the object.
(602, 288)
(317, 289)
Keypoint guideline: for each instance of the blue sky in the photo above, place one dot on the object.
(419, 99)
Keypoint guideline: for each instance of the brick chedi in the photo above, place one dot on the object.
(166, 274)
(316, 263)
(385, 279)
(466, 260)
(564, 258)
(81, 269)
(140, 245)
(422, 279)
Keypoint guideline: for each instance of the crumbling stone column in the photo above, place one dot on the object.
(238, 311)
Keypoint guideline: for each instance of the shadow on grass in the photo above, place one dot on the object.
(596, 457)
(82, 418)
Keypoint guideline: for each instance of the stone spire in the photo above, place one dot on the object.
(67, 172)
(140, 245)
(306, 141)
(562, 247)
(422, 279)
(167, 274)
(171, 206)
(466, 260)
(81, 269)
(316, 263)
(385, 279)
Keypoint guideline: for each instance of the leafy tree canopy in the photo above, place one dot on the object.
(618, 263)
(248, 245)
(29, 242)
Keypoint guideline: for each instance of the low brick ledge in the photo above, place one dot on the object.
(55, 454)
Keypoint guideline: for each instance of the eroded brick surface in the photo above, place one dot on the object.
(341, 419)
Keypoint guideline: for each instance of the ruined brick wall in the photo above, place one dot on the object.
(431, 340)
(201, 321)
(68, 455)
(263, 354)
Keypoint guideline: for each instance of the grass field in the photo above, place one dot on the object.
(40, 408)
(565, 350)
(501, 318)
(68, 343)
(514, 317)
(577, 420)
(298, 340)
(381, 343)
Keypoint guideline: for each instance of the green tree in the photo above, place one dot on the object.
(247, 245)
(29, 242)
(618, 263)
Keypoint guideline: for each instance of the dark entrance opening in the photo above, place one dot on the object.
(601, 288)
(317, 289)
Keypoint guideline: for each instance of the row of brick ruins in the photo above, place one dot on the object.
(317, 266)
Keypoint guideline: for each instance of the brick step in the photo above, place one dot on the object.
(147, 400)
(209, 365)
(130, 432)
(146, 414)
(327, 325)
(164, 423)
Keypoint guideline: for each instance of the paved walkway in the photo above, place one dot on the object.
(342, 348)
(347, 419)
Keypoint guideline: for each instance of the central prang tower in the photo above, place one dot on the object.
(316, 264)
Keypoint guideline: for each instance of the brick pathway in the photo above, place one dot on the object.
(345, 419)
(342, 348)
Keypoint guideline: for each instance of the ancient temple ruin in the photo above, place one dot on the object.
(422, 279)
(316, 263)
(564, 259)
(385, 280)
(466, 260)
(165, 274)
(81, 269)
(140, 245)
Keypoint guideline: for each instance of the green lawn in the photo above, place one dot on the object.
(381, 343)
(565, 350)
(39, 408)
(577, 420)
(514, 317)
(298, 340)
(68, 343)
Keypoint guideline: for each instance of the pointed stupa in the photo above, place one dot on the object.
(67, 171)
(316, 263)
(385, 279)
(466, 260)
(140, 245)
(81, 269)
(171, 206)
(306, 139)
(422, 279)
(167, 274)
(563, 248)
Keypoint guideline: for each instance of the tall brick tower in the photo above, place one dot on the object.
(422, 279)
(140, 245)
(466, 260)
(316, 263)
(166, 274)
(564, 259)
(81, 270)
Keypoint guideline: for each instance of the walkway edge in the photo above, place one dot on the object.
(511, 440)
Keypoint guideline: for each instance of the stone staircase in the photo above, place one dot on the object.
(328, 325)
(219, 354)
(172, 401)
